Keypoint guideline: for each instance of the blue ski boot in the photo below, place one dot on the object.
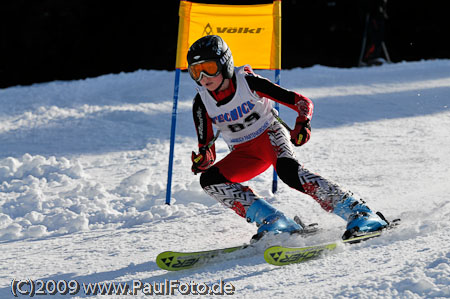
(358, 216)
(269, 219)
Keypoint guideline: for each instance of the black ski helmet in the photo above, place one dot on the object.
(212, 47)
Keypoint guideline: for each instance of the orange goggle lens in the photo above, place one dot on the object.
(209, 68)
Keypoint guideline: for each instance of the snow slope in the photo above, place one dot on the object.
(83, 170)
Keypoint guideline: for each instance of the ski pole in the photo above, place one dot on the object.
(208, 146)
(275, 113)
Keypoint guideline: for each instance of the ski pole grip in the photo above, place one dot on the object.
(208, 146)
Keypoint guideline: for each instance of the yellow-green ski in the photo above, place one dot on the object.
(363, 237)
(174, 261)
(280, 255)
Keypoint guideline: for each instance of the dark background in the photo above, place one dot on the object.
(46, 40)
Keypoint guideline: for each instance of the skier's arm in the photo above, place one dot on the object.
(304, 106)
(291, 99)
(205, 133)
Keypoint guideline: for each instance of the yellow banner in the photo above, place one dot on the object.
(253, 32)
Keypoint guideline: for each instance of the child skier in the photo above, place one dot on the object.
(237, 102)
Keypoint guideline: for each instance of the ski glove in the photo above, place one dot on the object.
(203, 160)
(301, 133)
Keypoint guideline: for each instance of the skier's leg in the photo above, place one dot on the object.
(232, 195)
(222, 182)
(334, 199)
(246, 203)
(329, 195)
(295, 176)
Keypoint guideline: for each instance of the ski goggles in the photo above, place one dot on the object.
(209, 68)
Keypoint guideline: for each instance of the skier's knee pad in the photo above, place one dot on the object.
(212, 177)
(287, 170)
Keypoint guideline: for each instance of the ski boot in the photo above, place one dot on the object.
(360, 219)
(269, 219)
